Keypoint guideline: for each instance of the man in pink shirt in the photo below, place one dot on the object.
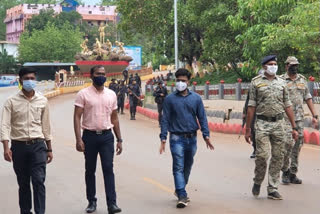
(97, 106)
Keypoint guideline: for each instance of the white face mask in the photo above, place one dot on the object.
(272, 69)
(181, 86)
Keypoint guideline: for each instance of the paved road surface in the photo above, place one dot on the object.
(220, 182)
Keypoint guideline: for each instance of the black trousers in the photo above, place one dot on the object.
(133, 104)
(121, 103)
(104, 146)
(29, 163)
(160, 108)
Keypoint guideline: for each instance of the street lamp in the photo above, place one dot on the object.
(176, 34)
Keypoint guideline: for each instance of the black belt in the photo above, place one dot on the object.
(99, 132)
(28, 142)
(185, 134)
(270, 119)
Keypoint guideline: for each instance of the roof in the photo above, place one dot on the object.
(42, 64)
(7, 42)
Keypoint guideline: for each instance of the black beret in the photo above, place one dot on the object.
(27, 70)
(267, 59)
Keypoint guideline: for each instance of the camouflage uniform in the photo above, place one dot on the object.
(298, 92)
(270, 97)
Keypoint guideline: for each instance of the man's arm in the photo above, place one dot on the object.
(78, 111)
(202, 118)
(46, 130)
(251, 109)
(5, 130)
(250, 114)
(311, 107)
(164, 125)
(290, 115)
(116, 130)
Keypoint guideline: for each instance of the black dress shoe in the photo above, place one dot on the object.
(91, 207)
(114, 209)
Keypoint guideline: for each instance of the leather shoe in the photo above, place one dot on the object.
(114, 209)
(91, 207)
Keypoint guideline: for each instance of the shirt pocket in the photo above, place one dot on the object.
(36, 113)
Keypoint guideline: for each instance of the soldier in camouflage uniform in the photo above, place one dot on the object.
(298, 92)
(269, 98)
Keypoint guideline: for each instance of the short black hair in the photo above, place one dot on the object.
(27, 70)
(183, 72)
(94, 68)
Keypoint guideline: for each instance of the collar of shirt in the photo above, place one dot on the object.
(177, 93)
(96, 91)
(287, 77)
(36, 94)
(265, 77)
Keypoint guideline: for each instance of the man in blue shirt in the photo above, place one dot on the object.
(182, 110)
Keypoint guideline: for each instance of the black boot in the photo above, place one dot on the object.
(256, 189)
(294, 179)
(253, 155)
(131, 116)
(286, 177)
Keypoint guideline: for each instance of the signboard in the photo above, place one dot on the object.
(8, 80)
(136, 53)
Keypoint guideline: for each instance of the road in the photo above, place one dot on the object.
(220, 182)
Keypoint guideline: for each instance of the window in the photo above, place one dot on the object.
(90, 12)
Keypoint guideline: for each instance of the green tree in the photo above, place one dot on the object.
(109, 2)
(51, 44)
(8, 64)
(300, 31)
(264, 27)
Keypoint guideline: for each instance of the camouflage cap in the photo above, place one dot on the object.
(292, 60)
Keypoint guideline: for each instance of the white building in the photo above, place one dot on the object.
(10, 47)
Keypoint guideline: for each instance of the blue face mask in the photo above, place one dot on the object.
(29, 85)
(99, 80)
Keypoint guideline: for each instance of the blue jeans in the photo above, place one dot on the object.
(182, 150)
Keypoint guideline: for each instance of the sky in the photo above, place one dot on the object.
(91, 2)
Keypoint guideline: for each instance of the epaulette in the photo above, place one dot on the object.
(303, 77)
(257, 77)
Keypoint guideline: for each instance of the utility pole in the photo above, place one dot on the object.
(176, 34)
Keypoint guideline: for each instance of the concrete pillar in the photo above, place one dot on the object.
(193, 88)
(221, 90)
(238, 91)
(311, 88)
(206, 92)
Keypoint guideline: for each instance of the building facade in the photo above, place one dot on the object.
(18, 16)
(10, 47)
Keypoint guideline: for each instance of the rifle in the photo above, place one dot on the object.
(139, 99)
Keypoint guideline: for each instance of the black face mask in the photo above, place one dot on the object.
(293, 69)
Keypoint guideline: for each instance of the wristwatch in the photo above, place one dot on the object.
(49, 150)
(315, 117)
(119, 141)
(295, 128)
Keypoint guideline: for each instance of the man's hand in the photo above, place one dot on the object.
(315, 122)
(209, 145)
(80, 146)
(119, 148)
(248, 136)
(49, 157)
(162, 146)
(162, 95)
(295, 135)
(7, 154)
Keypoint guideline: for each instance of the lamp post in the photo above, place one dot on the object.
(176, 34)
